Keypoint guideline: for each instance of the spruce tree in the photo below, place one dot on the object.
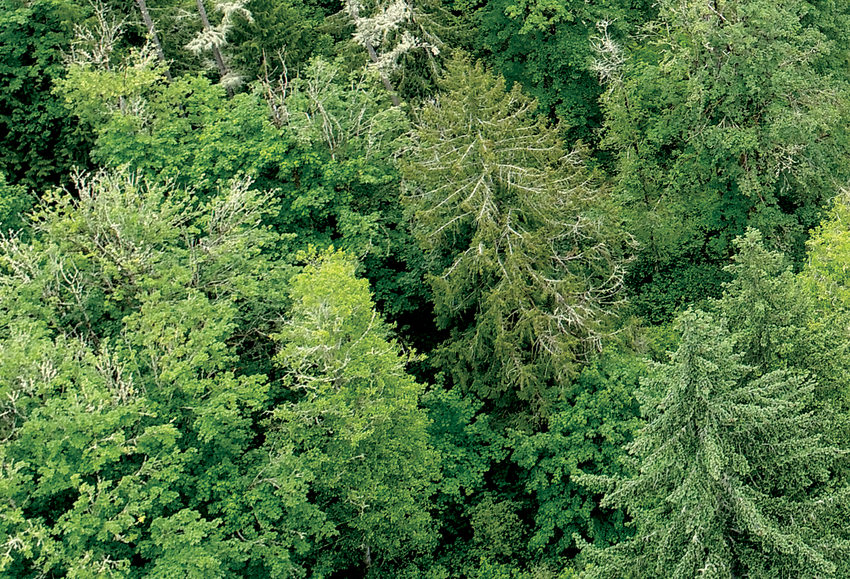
(734, 479)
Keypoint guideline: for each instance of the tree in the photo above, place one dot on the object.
(776, 321)
(324, 142)
(395, 31)
(85, 468)
(524, 259)
(586, 434)
(734, 477)
(828, 255)
(14, 202)
(354, 422)
(213, 38)
(282, 37)
(549, 48)
(39, 142)
(132, 323)
(767, 310)
(824, 281)
(727, 116)
(152, 35)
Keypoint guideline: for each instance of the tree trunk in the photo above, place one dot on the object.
(219, 59)
(146, 16)
(387, 84)
(355, 16)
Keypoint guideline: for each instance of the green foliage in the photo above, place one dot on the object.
(355, 422)
(132, 437)
(292, 30)
(525, 265)
(524, 268)
(714, 130)
(734, 477)
(829, 250)
(507, 499)
(39, 142)
(195, 383)
(661, 291)
(585, 435)
(185, 130)
(15, 200)
(548, 47)
(824, 282)
(473, 454)
(345, 173)
(131, 411)
(324, 143)
(768, 311)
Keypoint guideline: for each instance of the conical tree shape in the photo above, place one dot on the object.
(734, 479)
(525, 259)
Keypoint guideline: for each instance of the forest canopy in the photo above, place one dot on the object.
(511, 289)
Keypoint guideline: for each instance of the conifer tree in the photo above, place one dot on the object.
(734, 479)
(776, 320)
(524, 259)
(213, 38)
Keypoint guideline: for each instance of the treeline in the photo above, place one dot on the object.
(497, 289)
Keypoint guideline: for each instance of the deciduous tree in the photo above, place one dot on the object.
(355, 423)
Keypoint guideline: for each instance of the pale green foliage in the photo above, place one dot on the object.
(778, 322)
(184, 545)
(829, 255)
(342, 112)
(129, 408)
(125, 236)
(355, 421)
(82, 452)
(102, 80)
(825, 282)
(93, 93)
(734, 477)
(323, 143)
(526, 266)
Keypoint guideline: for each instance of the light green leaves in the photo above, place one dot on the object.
(355, 421)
